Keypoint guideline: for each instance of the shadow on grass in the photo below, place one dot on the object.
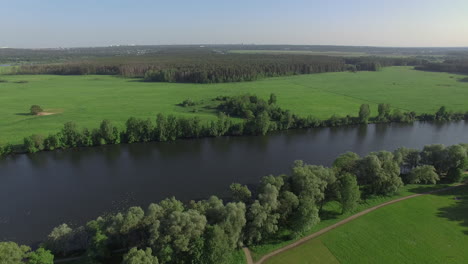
(23, 114)
(459, 211)
(426, 189)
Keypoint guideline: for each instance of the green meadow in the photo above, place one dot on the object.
(425, 229)
(89, 99)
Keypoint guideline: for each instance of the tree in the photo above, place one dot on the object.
(240, 193)
(109, 133)
(139, 256)
(12, 253)
(364, 113)
(216, 246)
(305, 216)
(435, 155)
(379, 172)
(384, 112)
(70, 135)
(59, 239)
(161, 128)
(34, 143)
(40, 256)
(35, 110)
(442, 114)
(346, 162)
(348, 192)
(454, 175)
(272, 99)
(423, 174)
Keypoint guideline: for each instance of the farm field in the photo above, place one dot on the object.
(425, 229)
(89, 99)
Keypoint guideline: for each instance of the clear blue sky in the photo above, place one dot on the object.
(71, 23)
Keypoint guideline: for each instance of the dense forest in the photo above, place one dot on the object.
(454, 65)
(209, 231)
(213, 67)
(259, 117)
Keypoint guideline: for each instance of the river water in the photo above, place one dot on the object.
(42, 190)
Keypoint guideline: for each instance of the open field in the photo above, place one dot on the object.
(89, 99)
(425, 229)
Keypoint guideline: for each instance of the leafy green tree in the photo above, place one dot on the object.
(40, 256)
(423, 174)
(456, 157)
(86, 138)
(348, 192)
(442, 114)
(364, 113)
(346, 162)
(59, 239)
(139, 256)
(305, 216)
(70, 135)
(262, 216)
(12, 253)
(454, 175)
(240, 193)
(379, 172)
(384, 112)
(34, 143)
(262, 123)
(216, 246)
(97, 248)
(288, 203)
(161, 128)
(5, 150)
(35, 109)
(172, 128)
(109, 133)
(435, 155)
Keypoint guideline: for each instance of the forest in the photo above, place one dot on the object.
(209, 231)
(188, 66)
(453, 65)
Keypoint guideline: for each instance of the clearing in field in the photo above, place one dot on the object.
(87, 100)
(426, 229)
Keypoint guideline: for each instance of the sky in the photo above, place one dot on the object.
(83, 23)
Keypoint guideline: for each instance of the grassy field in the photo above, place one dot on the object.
(426, 229)
(89, 99)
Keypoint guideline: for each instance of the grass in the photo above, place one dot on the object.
(332, 215)
(89, 99)
(425, 229)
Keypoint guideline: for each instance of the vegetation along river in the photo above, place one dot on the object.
(43, 190)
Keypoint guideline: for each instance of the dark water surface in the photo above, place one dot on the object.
(43, 190)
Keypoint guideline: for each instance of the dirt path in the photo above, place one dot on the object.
(248, 256)
(342, 222)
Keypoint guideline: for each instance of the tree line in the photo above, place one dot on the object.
(209, 231)
(453, 65)
(212, 67)
(259, 117)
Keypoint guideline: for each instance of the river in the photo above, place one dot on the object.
(40, 191)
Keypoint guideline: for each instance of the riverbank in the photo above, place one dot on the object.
(87, 100)
(78, 185)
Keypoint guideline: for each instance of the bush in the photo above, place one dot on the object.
(34, 143)
(35, 110)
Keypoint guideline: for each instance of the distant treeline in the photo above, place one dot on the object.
(280, 208)
(214, 68)
(260, 116)
(459, 65)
